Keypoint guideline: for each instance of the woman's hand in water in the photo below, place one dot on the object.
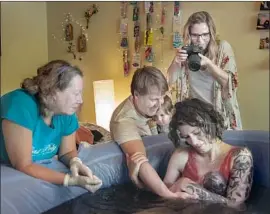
(134, 163)
(181, 184)
(185, 196)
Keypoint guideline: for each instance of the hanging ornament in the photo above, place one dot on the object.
(147, 7)
(148, 21)
(136, 29)
(176, 24)
(70, 49)
(176, 8)
(149, 55)
(135, 13)
(124, 42)
(177, 40)
(136, 60)
(151, 8)
(124, 9)
(162, 21)
(82, 42)
(137, 44)
(125, 62)
(89, 13)
(148, 37)
(68, 29)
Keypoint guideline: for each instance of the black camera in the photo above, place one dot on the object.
(193, 60)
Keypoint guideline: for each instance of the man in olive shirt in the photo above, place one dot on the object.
(129, 123)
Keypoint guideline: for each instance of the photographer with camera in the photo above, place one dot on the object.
(206, 69)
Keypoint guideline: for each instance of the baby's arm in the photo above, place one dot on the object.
(175, 167)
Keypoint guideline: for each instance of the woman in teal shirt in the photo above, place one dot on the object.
(39, 121)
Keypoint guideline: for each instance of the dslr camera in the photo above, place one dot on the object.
(193, 60)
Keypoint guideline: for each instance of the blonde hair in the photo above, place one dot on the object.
(198, 18)
(167, 105)
(147, 77)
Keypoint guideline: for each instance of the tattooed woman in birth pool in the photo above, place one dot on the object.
(206, 167)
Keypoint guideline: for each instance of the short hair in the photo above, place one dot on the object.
(167, 105)
(147, 77)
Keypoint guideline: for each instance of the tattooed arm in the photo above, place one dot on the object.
(239, 185)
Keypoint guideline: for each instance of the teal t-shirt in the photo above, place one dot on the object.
(22, 108)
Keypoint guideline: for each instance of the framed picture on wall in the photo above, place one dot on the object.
(263, 21)
(264, 42)
(265, 5)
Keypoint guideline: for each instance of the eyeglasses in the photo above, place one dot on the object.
(204, 36)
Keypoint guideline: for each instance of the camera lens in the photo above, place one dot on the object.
(194, 62)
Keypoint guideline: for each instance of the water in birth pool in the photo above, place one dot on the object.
(126, 199)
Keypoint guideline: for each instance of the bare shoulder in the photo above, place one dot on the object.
(180, 157)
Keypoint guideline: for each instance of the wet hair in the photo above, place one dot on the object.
(144, 79)
(198, 18)
(53, 76)
(167, 105)
(196, 113)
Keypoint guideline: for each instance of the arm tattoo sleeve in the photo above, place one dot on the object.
(205, 195)
(241, 176)
(239, 185)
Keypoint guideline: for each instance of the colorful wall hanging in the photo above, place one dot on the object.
(124, 37)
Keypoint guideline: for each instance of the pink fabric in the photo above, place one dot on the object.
(190, 171)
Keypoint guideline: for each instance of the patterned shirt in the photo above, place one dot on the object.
(225, 102)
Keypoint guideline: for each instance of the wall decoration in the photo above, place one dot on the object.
(148, 33)
(124, 37)
(71, 49)
(136, 58)
(68, 29)
(79, 46)
(82, 42)
(126, 62)
(263, 21)
(89, 13)
(264, 42)
(265, 5)
(177, 38)
(148, 41)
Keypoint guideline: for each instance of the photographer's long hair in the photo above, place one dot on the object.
(202, 17)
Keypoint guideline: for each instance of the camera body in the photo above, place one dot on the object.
(193, 60)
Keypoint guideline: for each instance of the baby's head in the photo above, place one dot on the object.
(164, 114)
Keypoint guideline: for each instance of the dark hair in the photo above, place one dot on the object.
(197, 113)
(147, 77)
(53, 76)
(167, 105)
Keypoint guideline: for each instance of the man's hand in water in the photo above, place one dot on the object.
(134, 163)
